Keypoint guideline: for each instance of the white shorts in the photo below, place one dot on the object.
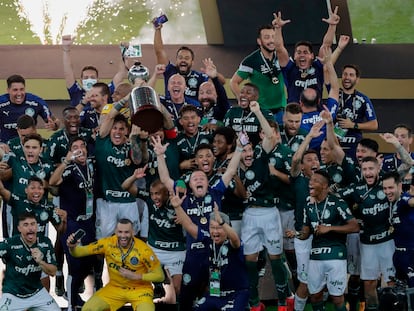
(329, 273)
(108, 213)
(302, 251)
(41, 301)
(171, 260)
(236, 225)
(287, 218)
(353, 253)
(376, 260)
(261, 227)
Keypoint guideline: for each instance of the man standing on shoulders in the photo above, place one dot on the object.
(262, 68)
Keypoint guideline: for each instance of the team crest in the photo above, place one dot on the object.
(272, 161)
(295, 147)
(204, 141)
(357, 104)
(249, 175)
(208, 199)
(380, 195)
(192, 82)
(134, 261)
(337, 178)
(311, 70)
(225, 250)
(186, 278)
(29, 112)
(44, 216)
(326, 214)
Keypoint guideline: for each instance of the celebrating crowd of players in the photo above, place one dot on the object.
(211, 191)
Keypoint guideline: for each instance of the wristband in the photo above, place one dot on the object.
(118, 106)
(65, 162)
(240, 149)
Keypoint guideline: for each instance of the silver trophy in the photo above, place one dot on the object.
(145, 109)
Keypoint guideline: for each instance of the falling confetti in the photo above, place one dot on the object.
(103, 21)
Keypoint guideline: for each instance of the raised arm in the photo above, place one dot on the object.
(160, 53)
(129, 183)
(159, 150)
(297, 157)
(331, 138)
(235, 82)
(139, 145)
(4, 193)
(231, 169)
(270, 139)
(122, 71)
(182, 218)
(332, 22)
(68, 73)
(330, 73)
(231, 234)
(281, 51)
(407, 161)
(342, 43)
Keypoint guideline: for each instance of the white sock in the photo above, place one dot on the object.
(300, 303)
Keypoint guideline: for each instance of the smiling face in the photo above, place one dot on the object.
(32, 150)
(17, 92)
(190, 121)
(217, 233)
(119, 133)
(184, 61)
(78, 147)
(97, 99)
(392, 189)
(159, 194)
(176, 87)
(205, 160)
(303, 57)
(349, 79)
(125, 234)
(199, 184)
(404, 137)
(266, 40)
(318, 187)
(247, 94)
(310, 163)
(71, 120)
(34, 191)
(207, 95)
(326, 153)
(28, 230)
(247, 155)
(370, 172)
(220, 146)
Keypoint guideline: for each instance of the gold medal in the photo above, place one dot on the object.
(390, 229)
(275, 80)
(203, 220)
(127, 162)
(304, 74)
(152, 171)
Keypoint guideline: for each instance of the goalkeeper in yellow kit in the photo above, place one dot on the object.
(132, 266)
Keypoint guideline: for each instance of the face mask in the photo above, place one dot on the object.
(88, 83)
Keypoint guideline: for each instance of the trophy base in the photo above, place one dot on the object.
(148, 118)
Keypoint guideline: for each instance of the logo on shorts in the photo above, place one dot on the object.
(186, 278)
(134, 261)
